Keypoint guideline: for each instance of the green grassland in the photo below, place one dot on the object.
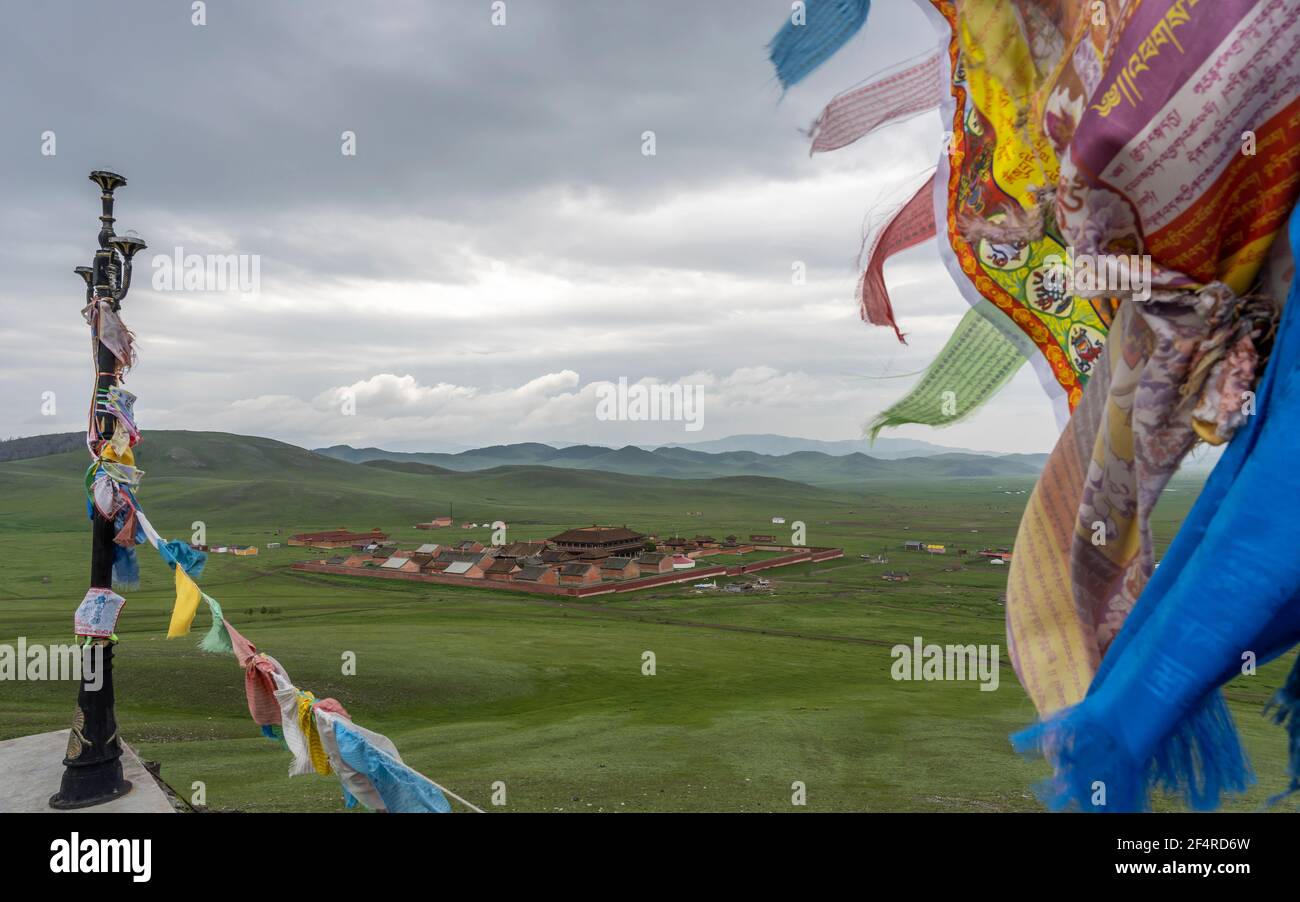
(751, 692)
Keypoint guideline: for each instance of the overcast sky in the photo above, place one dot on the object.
(497, 246)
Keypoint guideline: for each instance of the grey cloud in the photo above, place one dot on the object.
(499, 222)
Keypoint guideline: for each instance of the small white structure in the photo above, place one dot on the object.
(270, 545)
(778, 520)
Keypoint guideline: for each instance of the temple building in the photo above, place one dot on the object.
(605, 540)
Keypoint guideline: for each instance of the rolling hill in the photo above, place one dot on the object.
(244, 479)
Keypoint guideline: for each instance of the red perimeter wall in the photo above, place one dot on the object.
(631, 585)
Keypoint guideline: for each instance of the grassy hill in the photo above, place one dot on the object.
(242, 479)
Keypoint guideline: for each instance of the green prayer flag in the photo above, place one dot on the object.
(973, 366)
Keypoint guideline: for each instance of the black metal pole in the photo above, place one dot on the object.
(92, 771)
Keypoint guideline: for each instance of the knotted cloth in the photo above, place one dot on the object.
(1229, 584)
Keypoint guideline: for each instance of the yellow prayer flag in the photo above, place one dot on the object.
(187, 604)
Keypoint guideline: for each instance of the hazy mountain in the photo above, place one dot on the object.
(883, 448)
(813, 467)
(203, 453)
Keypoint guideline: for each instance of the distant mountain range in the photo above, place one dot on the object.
(882, 448)
(814, 467)
(837, 465)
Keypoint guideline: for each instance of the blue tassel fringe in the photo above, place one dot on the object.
(1200, 762)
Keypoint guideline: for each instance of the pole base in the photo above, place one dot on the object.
(83, 787)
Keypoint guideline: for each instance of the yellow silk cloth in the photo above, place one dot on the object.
(123, 455)
(187, 604)
(307, 724)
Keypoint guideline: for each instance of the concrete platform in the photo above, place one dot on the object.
(32, 766)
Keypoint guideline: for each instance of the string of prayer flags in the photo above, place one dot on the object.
(310, 728)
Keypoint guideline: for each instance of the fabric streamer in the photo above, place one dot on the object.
(97, 614)
(978, 360)
(259, 690)
(151, 535)
(259, 678)
(911, 225)
(108, 328)
(912, 89)
(375, 757)
(217, 638)
(356, 788)
(286, 696)
(187, 605)
(1153, 716)
(994, 169)
(126, 569)
(123, 475)
(117, 402)
(180, 555)
(307, 703)
(106, 496)
(803, 45)
(128, 529)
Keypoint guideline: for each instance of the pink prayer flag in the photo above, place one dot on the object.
(910, 226)
(856, 113)
(244, 650)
